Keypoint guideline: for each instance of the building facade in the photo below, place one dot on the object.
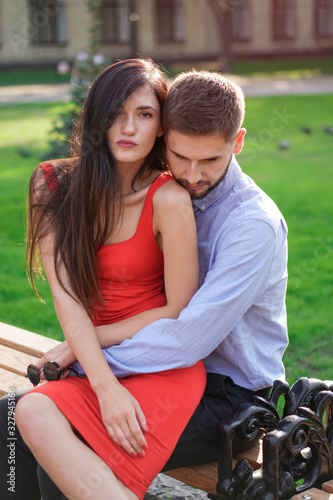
(37, 32)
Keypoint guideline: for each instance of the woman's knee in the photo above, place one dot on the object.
(31, 416)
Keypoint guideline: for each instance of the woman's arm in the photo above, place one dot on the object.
(174, 225)
(121, 413)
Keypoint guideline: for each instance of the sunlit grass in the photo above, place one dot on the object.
(292, 68)
(299, 179)
(31, 76)
(24, 130)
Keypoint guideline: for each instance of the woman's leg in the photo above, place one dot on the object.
(76, 469)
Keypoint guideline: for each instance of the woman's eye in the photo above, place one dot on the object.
(146, 115)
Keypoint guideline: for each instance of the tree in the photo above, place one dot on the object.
(222, 9)
(86, 67)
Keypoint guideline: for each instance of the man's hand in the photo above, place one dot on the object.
(61, 354)
(124, 419)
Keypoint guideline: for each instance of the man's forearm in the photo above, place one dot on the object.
(232, 285)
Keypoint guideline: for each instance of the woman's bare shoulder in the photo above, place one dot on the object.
(170, 193)
(172, 207)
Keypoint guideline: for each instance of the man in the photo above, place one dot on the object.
(236, 321)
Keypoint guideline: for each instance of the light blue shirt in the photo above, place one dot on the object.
(236, 321)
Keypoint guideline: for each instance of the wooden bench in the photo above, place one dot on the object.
(19, 348)
(274, 459)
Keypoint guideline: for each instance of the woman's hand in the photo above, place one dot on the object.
(123, 419)
(61, 354)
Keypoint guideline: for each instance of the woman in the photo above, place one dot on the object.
(117, 240)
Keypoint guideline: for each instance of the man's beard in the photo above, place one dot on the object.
(210, 187)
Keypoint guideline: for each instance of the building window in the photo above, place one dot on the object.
(115, 21)
(324, 18)
(48, 24)
(170, 25)
(240, 20)
(283, 19)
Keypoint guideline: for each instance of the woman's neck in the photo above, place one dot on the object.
(129, 175)
(132, 182)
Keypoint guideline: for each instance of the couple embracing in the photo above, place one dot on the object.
(168, 269)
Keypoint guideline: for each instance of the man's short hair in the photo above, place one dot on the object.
(204, 103)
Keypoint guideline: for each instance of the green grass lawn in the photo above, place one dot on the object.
(289, 68)
(31, 76)
(298, 178)
(296, 68)
(23, 128)
(285, 68)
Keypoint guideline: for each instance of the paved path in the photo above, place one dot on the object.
(34, 93)
(251, 86)
(284, 86)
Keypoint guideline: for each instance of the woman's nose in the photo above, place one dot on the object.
(128, 127)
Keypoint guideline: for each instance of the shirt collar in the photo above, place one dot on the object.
(221, 189)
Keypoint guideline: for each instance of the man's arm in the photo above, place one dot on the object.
(236, 279)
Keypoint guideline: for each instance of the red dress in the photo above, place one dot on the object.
(132, 281)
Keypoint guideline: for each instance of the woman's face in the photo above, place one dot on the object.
(132, 135)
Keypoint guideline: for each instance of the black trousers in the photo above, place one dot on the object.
(198, 443)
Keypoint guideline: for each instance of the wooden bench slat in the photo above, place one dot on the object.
(205, 476)
(15, 361)
(9, 380)
(209, 469)
(194, 478)
(313, 494)
(253, 455)
(25, 341)
(328, 486)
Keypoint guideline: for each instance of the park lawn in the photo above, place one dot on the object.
(290, 68)
(32, 76)
(298, 178)
(24, 130)
(287, 68)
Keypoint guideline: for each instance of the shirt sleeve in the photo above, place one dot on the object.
(238, 275)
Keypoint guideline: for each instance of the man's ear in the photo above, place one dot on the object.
(239, 141)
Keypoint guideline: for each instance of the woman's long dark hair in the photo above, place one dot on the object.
(84, 210)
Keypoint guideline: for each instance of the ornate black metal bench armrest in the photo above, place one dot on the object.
(297, 450)
(247, 424)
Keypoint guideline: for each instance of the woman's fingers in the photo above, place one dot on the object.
(124, 420)
(136, 435)
(141, 418)
(124, 438)
(61, 353)
(127, 434)
(65, 374)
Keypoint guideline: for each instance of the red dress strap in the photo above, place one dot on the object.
(158, 182)
(147, 210)
(50, 175)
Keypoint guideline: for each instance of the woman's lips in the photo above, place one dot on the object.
(126, 144)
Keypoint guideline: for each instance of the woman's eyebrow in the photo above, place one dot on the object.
(146, 107)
